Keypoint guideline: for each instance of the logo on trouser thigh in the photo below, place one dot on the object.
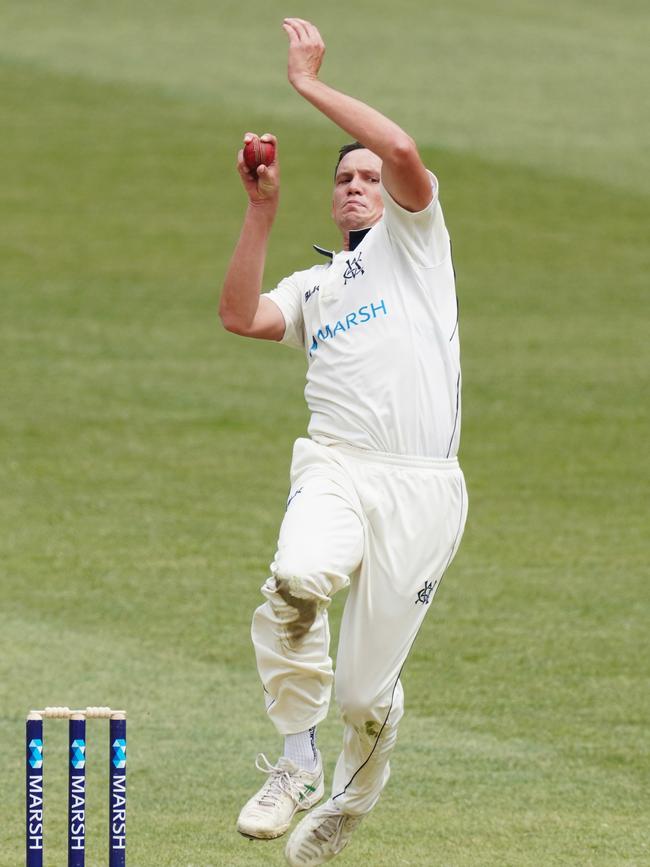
(424, 595)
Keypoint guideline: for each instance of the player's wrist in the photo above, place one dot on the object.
(263, 210)
(304, 82)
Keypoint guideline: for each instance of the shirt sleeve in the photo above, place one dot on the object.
(287, 295)
(422, 234)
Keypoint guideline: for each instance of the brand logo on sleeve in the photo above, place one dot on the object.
(293, 497)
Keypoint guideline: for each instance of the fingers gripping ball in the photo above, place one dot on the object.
(258, 153)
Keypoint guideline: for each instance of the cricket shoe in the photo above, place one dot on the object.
(320, 836)
(287, 790)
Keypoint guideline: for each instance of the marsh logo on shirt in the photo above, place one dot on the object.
(366, 313)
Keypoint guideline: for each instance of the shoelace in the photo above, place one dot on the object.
(280, 782)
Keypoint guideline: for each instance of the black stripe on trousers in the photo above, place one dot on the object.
(392, 697)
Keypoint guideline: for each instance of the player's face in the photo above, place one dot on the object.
(357, 203)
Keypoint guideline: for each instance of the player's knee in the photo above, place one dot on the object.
(369, 728)
(297, 596)
(368, 722)
(358, 709)
(304, 606)
(368, 714)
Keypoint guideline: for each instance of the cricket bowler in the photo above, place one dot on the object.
(378, 501)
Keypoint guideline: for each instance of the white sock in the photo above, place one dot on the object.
(301, 749)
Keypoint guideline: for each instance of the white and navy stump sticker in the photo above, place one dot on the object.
(34, 788)
(77, 794)
(117, 795)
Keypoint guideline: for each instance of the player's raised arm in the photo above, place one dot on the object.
(241, 309)
(403, 172)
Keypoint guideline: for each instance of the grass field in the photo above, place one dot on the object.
(145, 451)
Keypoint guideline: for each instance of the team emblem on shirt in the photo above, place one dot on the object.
(354, 268)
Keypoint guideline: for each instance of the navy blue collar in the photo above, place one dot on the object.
(356, 237)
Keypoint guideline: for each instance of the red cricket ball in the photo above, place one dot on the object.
(258, 153)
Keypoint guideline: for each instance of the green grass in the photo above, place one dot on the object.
(145, 452)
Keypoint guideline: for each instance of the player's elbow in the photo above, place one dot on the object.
(404, 149)
(232, 322)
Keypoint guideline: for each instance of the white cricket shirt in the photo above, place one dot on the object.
(379, 326)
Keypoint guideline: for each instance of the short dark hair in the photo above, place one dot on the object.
(346, 149)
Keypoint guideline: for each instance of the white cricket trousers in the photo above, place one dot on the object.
(387, 527)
